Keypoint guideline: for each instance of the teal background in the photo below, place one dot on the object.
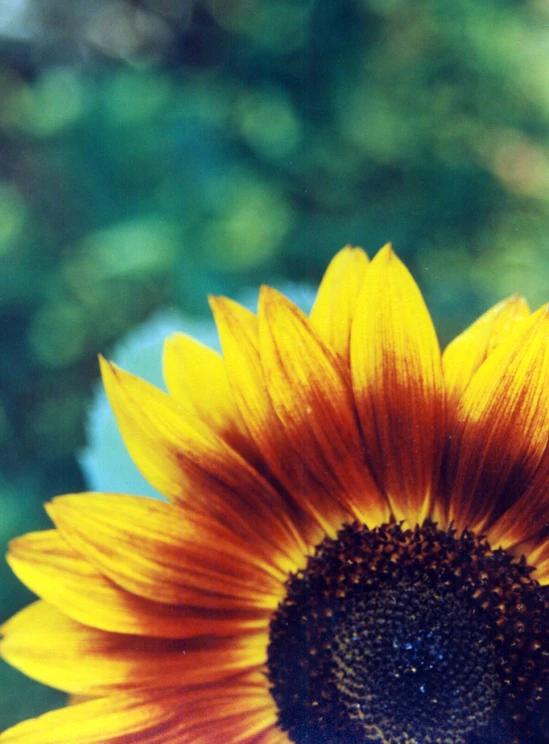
(152, 152)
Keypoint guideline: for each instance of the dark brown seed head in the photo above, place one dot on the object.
(411, 637)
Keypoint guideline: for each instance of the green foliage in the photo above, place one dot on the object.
(177, 156)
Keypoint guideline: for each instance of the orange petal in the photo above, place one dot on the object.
(335, 303)
(398, 386)
(157, 551)
(185, 460)
(464, 355)
(196, 376)
(53, 570)
(243, 710)
(502, 426)
(243, 713)
(45, 644)
(314, 404)
(241, 728)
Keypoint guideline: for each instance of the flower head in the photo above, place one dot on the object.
(353, 547)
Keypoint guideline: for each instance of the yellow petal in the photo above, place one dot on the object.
(398, 386)
(239, 334)
(243, 712)
(335, 303)
(464, 355)
(53, 570)
(502, 426)
(313, 401)
(157, 551)
(187, 462)
(123, 719)
(196, 376)
(47, 645)
(159, 435)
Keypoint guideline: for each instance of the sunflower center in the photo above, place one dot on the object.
(408, 637)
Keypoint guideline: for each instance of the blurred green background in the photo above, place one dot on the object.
(153, 151)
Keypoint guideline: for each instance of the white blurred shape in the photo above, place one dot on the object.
(15, 19)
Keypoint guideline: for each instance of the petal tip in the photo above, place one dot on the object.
(224, 306)
(107, 368)
(541, 314)
(52, 509)
(13, 546)
(516, 300)
(386, 253)
(215, 302)
(351, 249)
(172, 339)
(269, 296)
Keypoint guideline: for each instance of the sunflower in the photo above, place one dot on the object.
(353, 548)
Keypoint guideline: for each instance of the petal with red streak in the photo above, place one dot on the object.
(53, 570)
(313, 400)
(502, 426)
(398, 386)
(168, 555)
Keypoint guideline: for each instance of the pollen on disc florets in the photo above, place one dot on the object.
(417, 636)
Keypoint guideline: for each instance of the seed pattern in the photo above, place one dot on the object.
(396, 636)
